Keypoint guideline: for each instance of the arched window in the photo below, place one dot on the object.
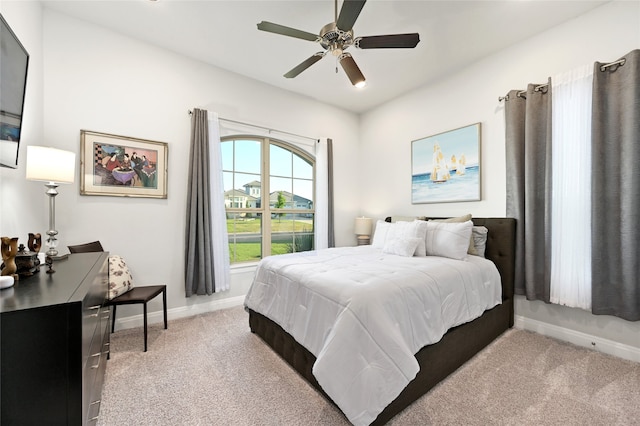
(269, 197)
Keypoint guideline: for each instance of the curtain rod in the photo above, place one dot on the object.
(603, 68)
(264, 128)
(618, 62)
(522, 92)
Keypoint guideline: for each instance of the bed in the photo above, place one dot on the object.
(436, 361)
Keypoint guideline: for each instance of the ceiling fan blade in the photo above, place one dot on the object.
(287, 31)
(305, 64)
(388, 41)
(349, 13)
(351, 69)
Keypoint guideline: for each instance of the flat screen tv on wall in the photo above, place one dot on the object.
(14, 62)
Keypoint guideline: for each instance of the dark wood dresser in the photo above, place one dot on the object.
(54, 343)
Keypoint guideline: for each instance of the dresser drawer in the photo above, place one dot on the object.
(95, 364)
(93, 308)
(96, 387)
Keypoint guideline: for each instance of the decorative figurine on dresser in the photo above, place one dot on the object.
(9, 250)
(27, 260)
(17, 260)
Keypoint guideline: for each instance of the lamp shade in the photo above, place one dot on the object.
(50, 164)
(363, 226)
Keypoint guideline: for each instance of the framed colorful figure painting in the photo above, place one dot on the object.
(446, 167)
(122, 166)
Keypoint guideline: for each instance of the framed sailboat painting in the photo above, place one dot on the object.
(445, 167)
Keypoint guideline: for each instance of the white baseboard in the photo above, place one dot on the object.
(578, 338)
(181, 312)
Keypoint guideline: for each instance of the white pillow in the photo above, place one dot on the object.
(420, 231)
(120, 279)
(380, 233)
(448, 239)
(471, 249)
(401, 230)
(401, 247)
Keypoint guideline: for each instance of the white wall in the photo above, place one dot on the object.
(98, 80)
(470, 96)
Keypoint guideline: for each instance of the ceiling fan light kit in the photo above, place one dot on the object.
(351, 69)
(337, 36)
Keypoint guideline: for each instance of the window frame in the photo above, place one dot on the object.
(265, 211)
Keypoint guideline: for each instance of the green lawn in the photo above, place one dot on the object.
(252, 251)
(247, 252)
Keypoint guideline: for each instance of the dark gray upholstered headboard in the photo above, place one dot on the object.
(501, 246)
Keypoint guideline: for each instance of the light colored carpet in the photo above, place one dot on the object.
(211, 370)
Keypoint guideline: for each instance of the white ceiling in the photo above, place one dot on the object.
(453, 35)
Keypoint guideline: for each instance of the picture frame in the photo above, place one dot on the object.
(446, 167)
(122, 166)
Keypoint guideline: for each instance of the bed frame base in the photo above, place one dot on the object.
(437, 361)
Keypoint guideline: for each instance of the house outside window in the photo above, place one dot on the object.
(282, 221)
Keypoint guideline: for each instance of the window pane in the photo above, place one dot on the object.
(281, 233)
(247, 156)
(302, 168)
(292, 233)
(227, 155)
(246, 190)
(227, 180)
(304, 235)
(280, 161)
(280, 197)
(303, 194)
(245, 237)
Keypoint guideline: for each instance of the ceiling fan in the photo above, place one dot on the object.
(337, 36)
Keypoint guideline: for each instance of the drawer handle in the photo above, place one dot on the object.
(96, 355)
(92, 404)
(92, 308)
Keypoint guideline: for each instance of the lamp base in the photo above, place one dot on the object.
(364, 240)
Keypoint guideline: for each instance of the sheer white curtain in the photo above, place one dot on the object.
(571, 188)
(219, 236)
(322, 195)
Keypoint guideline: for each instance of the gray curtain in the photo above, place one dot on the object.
(199, 277)
(330, 226)
(616, 189)
(528, 162)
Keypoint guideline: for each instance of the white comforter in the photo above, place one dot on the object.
(364, 314)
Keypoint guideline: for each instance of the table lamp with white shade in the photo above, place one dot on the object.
(363, 230)
(53, 166)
